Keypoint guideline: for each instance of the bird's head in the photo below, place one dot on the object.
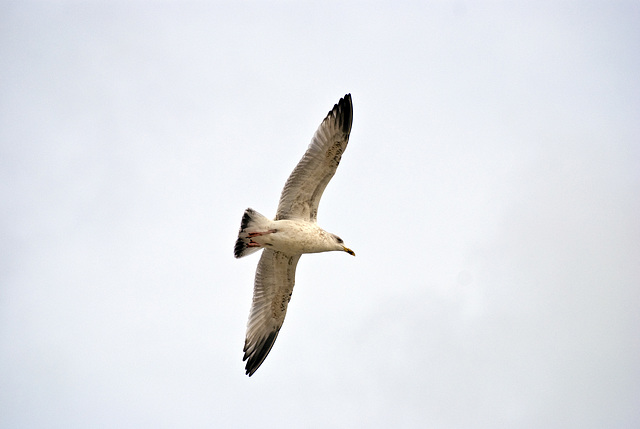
(340, 246)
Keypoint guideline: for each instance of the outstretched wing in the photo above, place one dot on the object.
(274, 282)
(301, 194)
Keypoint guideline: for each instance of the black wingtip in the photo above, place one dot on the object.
(259, 353)
(343, 111)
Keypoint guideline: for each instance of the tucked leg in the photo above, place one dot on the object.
(258, 234)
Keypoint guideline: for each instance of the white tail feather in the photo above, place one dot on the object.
(252, 221)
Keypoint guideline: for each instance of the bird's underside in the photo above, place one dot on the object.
(282, 244)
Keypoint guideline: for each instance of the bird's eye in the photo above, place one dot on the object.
(339, 240)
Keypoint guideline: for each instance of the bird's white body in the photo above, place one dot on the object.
(295, 237)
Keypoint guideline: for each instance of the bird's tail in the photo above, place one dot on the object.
(252, 222)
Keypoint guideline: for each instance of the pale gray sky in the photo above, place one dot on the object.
(491, 191)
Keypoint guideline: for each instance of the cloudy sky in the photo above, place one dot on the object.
(491, 191)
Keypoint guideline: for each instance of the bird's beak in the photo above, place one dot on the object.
(349, 251)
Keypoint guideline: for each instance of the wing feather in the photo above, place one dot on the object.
(275, 277)
(304, 187)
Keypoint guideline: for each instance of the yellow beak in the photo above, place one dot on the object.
(349, 251)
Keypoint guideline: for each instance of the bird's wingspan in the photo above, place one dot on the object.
(301, 194)
(274, 282)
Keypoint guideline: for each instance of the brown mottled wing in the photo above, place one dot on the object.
(274, 282)
(301, 194)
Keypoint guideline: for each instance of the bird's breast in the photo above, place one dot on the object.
(295, 237)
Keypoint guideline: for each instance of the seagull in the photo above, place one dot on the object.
(294, 231)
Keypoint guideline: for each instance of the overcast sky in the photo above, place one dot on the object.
(491, 192)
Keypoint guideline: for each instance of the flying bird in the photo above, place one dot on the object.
(294, 231)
